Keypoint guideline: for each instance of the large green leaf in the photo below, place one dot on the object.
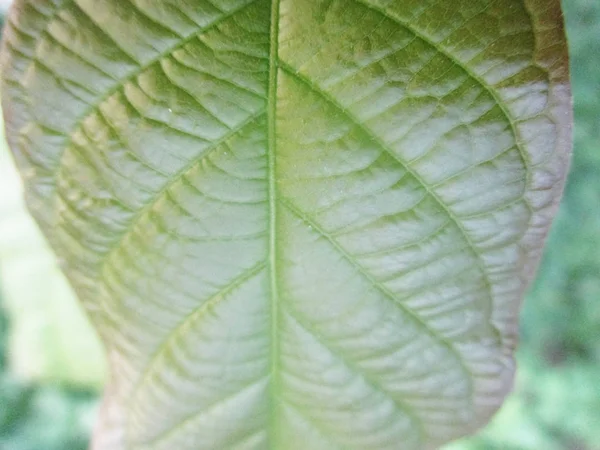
(296, 224)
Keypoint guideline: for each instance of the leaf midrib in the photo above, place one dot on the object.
(272, 244)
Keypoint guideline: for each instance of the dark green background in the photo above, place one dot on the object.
(557, 399)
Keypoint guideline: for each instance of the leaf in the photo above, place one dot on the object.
(298, 224)
(50, 339)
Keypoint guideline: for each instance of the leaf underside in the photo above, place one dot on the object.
(295, 224)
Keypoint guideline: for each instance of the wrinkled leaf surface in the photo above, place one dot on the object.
(296, 224)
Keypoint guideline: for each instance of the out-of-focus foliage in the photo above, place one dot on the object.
(39, 301)
(39, 416)
(556, 404)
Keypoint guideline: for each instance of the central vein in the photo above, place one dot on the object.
(271, 153)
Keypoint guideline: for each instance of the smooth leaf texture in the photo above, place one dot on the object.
(296, 224)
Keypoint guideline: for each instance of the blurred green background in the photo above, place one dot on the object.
(556, 402)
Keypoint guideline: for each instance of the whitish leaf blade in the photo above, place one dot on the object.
(298, 223)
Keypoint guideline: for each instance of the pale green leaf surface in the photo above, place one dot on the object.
(297, 224)
(50, 337)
